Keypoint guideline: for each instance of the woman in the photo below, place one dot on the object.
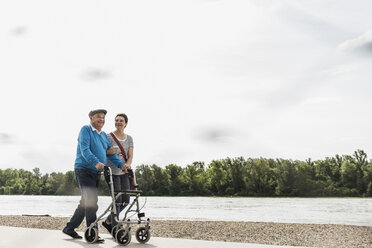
(120, 177)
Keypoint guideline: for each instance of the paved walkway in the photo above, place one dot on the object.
(28, 237)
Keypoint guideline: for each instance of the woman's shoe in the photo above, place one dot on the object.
(107, 226)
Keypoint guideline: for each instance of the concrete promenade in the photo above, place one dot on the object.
(39, 238)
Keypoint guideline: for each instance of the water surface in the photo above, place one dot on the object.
(351, 211)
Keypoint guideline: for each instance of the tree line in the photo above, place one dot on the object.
(346, 175)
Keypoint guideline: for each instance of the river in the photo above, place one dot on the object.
(350, 211)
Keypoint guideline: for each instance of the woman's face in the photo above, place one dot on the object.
(120, 122)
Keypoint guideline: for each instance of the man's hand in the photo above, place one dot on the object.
(100, 166)
(110, 151)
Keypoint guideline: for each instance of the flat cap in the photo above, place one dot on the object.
(96, 111)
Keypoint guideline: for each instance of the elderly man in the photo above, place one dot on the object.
(90, 159)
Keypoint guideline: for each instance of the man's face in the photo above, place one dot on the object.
(97, 121)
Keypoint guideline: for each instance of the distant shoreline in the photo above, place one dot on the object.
(262, 177)
(311, 235)
(217, 196)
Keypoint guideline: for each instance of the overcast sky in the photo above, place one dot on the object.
(199, 79)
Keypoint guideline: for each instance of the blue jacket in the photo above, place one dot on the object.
(92, 148)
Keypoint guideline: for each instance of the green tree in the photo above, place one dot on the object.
(285, 174)
(239, 173)
(261, 177)
(161, 181)
(219, 178)
(176, 185)
(346, 175)
(53, 182)
(349, 177)
(69, 185)
(195, 179)
(304, 184)
(145, 179)
(360, 160)
(103, 188)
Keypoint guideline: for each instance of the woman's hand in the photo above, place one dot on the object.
(110, 151)
(125, 168)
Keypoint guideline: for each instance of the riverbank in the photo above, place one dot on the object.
(311, 235)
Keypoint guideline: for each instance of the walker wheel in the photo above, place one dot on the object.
(115, 230)
(142, 236)
(121, 238)
(91, 235)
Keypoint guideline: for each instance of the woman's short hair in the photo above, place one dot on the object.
(124, 116)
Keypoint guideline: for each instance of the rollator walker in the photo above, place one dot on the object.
(122, 231)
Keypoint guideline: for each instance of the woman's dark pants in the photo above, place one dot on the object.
(121, 182)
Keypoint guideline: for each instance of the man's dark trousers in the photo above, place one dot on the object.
(88, 183)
